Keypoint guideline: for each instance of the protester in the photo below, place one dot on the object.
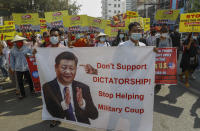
(46, 39)
(54, 38)
(19, 64)
(176, 40)
(151, 40)
(101, 38)
(3, 61)
(121, 37)
(189, 60)
(135, 34)
(143, 39)
(164, 40)
(12, 76)
(197, 38)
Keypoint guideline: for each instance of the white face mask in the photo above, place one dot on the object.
(177, 30)
(136, 36)
(102, 39)
(165, 35)
(54, 40)
(194, 37)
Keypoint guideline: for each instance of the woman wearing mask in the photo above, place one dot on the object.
(164, 40)
(101, 38)
(120, 38)
(189, 60)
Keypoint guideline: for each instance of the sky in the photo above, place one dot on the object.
(90, 7)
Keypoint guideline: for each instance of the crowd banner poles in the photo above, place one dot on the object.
(118, 95)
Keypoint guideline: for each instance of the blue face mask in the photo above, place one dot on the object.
(54, 40)
(78, 36)
(102, 39)
(136, 36)
(88, 37)
(121, 36)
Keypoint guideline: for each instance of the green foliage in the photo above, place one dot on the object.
(40, 6)
(195, 6)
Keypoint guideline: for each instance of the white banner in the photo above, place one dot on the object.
(107, 88)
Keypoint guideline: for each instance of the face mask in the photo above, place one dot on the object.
(78, 36)
(165, 35)
(194, 37)
(19, 44)
(177, 30)
(102, 39)
(136, 36)
(62, 37)
(121, 36)
(88, 37)
(54, 40)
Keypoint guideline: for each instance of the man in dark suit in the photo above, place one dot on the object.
(66, 98)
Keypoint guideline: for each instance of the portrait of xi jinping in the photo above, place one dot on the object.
(66, 98)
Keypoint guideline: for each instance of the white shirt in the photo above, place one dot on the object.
(63, 104)
(130, 43)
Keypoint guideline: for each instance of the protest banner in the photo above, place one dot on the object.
(55, 19)
(132, 14)
(26, 22)
(167, 16)
(31, 60)
(43, 25)
(146, 22)
(190, 22)
(79, 22)
(7, 32)
(166, 66)
(117, 93)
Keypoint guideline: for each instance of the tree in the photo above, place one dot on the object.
(74, 8)
(41, 6)
(195, 6)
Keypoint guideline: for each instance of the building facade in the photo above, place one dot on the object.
(131, 5)
(111, 8)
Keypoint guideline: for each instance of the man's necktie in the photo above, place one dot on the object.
(70, 110)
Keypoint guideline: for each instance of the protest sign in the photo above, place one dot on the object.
(55, 19)
(43, 25)
(117, 93)
(34, 72)
(26, 21)
(166, 16)
(166, 66)
(190, 22)
(146, 22)
(7, 32)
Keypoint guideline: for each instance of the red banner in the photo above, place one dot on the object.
(166, 66)
(34, 72)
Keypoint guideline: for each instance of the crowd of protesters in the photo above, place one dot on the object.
(13, 53)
